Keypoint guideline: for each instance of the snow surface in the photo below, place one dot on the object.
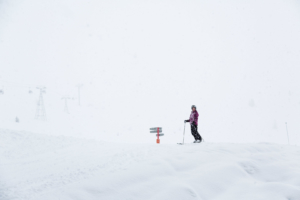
(38, 166)
(143, 64)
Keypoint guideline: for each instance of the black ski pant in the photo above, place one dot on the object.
(194, 129)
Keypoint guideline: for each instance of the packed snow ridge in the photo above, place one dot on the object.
(42, 167)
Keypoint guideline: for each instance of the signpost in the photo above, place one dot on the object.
(158, 131)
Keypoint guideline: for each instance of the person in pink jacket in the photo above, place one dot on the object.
(194, 124)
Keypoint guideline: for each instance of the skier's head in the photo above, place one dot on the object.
(193, 107)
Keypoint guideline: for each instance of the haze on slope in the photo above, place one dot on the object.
(51, 167)
(143, 63)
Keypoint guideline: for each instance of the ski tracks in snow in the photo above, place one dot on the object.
(32, 164)
(36, 166)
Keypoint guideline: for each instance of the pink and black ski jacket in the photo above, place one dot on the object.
(194, 117)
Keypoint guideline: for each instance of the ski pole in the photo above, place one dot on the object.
(287, 133)
(183, 133)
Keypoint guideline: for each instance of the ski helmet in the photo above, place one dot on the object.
(193, 106)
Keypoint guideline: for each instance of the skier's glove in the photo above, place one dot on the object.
(186, 121)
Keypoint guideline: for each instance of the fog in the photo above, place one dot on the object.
(144, 63)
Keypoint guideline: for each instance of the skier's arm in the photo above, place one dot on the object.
(187, 120)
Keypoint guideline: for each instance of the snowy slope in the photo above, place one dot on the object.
(143, 64)
(37, 166)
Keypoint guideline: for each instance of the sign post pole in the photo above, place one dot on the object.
(157, 141)
(158, 131)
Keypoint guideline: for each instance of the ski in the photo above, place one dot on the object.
(191, 143)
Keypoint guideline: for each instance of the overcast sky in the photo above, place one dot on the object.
(144, 63)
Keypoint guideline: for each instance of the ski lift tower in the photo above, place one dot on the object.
(2, 90)
(66, 98)
(79, 86)
(40, 110)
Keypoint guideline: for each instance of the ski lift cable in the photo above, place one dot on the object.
(14, 85)
(2, 80)
(30, 86)
(50, 90)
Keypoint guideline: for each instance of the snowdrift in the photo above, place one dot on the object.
(37, 166)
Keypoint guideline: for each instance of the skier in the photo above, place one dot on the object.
(194, 124)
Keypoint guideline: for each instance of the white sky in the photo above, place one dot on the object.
(144, 63)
